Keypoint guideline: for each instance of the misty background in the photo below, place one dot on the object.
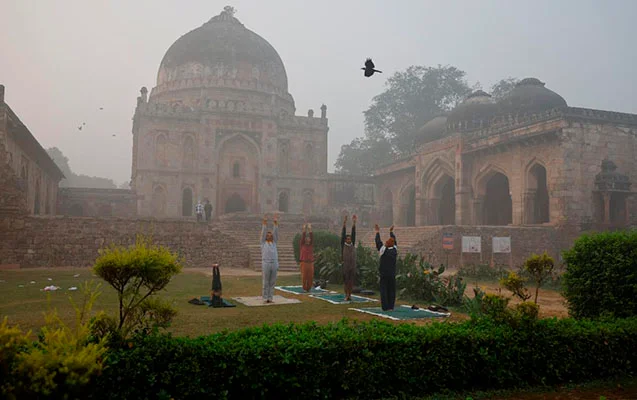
(62, 60)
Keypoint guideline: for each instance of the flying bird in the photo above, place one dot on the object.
(114, 135)
(79, 128)
(101, 108)
(369, 68)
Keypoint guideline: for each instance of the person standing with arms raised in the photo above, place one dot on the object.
(388, 256)
(269, 257)
(307, 257)
(348, 257)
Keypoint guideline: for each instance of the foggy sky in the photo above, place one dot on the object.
(61, 60)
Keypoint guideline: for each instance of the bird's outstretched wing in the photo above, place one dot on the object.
(369, 64)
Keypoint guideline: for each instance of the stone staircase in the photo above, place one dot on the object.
(246, 229)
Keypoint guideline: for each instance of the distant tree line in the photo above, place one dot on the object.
(81, 181)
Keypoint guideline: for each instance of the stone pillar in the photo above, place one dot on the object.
(478, 217)
(606, 217)
(529, 207)
(419, 211)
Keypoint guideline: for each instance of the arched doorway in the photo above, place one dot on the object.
(76, 210)
(238, 174)
(408, 206)
(235, 203)
(186, 202)
(158, 202)
(447, 206)
(284, 201)
(498, 206)
(537, 196)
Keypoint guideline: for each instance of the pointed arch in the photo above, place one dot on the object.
(431, 174)
(494, 205)
(284, 201)
(536, 195)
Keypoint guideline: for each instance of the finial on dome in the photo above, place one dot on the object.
(229, 11)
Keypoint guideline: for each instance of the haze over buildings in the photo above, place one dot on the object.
(58, 75)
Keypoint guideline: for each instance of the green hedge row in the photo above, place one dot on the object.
(369, 360)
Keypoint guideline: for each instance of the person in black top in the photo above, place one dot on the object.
(388, 255)
(208, 210)
(215, 292)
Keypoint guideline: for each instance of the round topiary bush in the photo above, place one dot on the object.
(601, 275)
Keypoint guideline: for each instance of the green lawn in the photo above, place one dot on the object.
(25, 305)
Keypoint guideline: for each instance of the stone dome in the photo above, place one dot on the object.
(433, 129)
(475, 112)
(223, 48)
(530, 96)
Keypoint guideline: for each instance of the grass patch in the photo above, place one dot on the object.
(25, 305)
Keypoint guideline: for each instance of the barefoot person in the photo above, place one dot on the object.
(307, 257)
(215, 291)
(388, 255)
(269, 258)
(348, 256)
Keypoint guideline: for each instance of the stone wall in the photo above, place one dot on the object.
(524, 242)
(89, 202)
(74, 241)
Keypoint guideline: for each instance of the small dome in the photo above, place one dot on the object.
(433, 129)
(474, 113)
(530, 96)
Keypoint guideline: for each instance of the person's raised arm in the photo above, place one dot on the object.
(391, 234)
(354, 219)
(263, 228)
(343, 232)
(302, 242)
(309, 228)
(379, 242)
(275, 231)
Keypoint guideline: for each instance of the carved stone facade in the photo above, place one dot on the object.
(527, 160)
(37, 172)
(220, 126)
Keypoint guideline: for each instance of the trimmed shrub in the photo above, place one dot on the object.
(322, 240)
(369, 360)
(137, 274)
(601, 275)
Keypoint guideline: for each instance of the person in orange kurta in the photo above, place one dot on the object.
(307, 257)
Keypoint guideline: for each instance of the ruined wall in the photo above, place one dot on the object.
(40, 241)
(524, 242)
(88, 202)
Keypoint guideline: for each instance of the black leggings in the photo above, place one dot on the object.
(387, 292)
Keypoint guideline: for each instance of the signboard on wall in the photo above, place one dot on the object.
(447, 241)
(471, 244)
(501, 244)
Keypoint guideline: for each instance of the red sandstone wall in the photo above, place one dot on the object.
(75, 241)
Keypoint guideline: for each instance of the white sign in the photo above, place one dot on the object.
(471, 244)
(501, 244)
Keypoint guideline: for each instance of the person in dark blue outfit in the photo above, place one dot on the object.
(388, 255)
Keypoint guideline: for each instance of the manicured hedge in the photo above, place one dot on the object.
(369, 360)
(601, 275)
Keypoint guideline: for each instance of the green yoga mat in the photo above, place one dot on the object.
(299, 290)
(226, 303)
(339, 298)
(402, 313)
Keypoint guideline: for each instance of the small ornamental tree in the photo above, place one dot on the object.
(540, 267)
(516, 285)
(137, 274)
